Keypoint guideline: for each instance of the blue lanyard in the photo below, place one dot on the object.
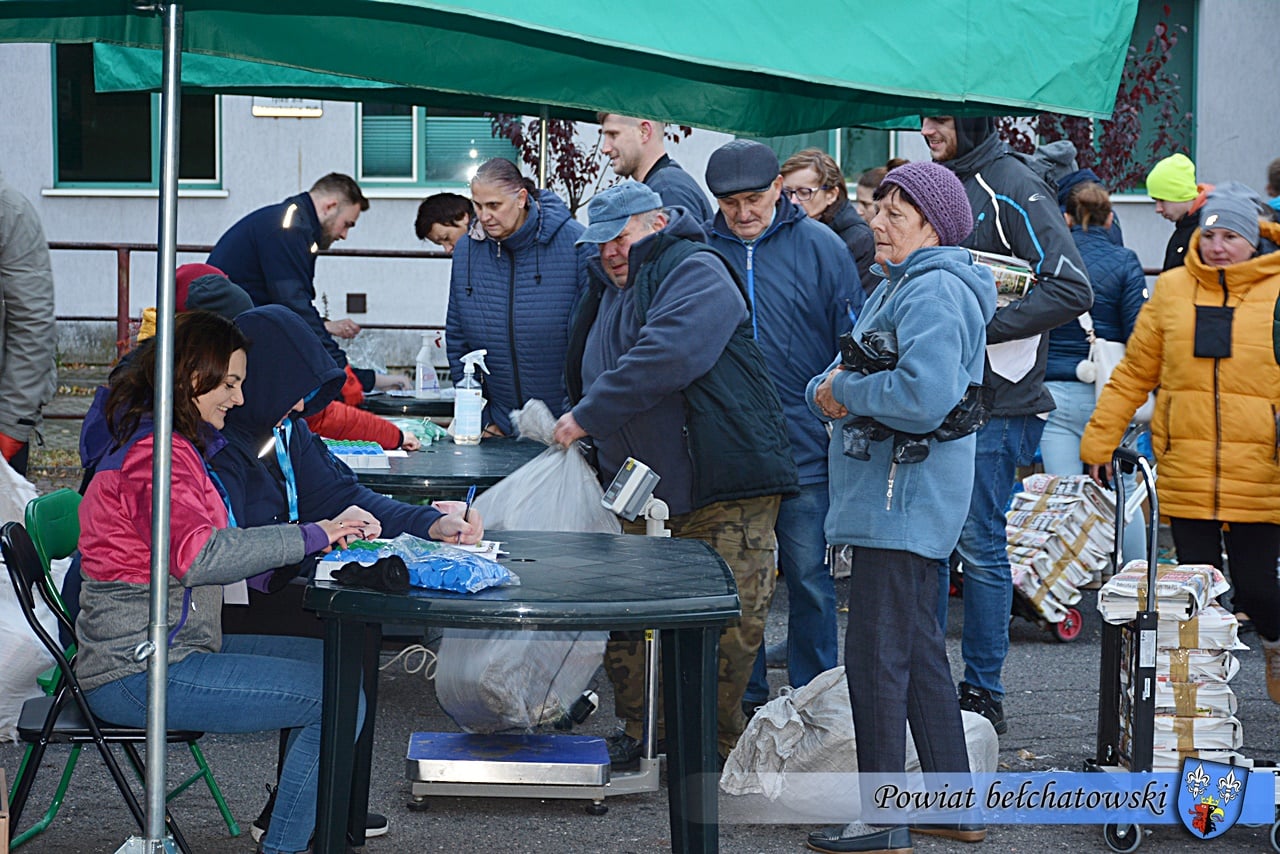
(222, 492)
(283, 434)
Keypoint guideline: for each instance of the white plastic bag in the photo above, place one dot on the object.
(795, 743)
(22, 656)
(555, 491)
(494, 680)
(489, 681)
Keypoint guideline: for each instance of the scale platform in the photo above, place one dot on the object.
(519, 766)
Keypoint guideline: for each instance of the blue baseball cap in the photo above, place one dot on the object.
(610, 210)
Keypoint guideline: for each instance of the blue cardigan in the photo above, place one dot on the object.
(513, 298)
(938, 303)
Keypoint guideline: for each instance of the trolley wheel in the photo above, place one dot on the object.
(596, 808)
(1275, 836)
(418, 804)
(1070, 627)
(1123, 838)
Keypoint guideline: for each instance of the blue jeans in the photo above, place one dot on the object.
(1003, 445)
(255, 683)
(812, 644)
(1060, 450)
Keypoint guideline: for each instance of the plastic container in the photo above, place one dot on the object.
(425, 381)
(468, 400)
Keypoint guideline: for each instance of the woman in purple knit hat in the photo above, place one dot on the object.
(901, 464)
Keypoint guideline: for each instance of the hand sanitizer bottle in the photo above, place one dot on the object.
(425, 381)
(468, 401)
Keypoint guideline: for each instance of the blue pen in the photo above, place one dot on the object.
(471, 496)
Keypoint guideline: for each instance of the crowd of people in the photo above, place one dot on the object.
(805, 370)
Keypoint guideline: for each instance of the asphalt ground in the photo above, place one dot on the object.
(1051, 706)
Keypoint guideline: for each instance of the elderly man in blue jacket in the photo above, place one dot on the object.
(804, 292)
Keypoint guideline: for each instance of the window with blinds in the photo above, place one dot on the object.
(413, 145)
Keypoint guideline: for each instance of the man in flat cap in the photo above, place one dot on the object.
(804, 291)
(662, 367)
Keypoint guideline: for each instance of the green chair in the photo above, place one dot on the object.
(53, 521)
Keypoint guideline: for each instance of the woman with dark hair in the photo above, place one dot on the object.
(514, 282)
(212, 680)
(812, 179)
(902, 512)
(1119, 291)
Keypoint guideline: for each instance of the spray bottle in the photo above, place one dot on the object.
(468, 401)
(425, 381)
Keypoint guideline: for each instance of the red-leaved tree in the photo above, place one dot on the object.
(576, 171)
(1110, 147)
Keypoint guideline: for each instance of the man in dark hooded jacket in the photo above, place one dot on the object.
(1015, 213)
(274, 470)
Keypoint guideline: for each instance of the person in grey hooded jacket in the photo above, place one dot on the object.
(28, 370)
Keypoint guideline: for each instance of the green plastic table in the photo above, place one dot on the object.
(444, 470)
(568, 581)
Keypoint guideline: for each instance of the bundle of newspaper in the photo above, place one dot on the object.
(1182, 592)
(1060, 534)
(1194, 705)
(1014, 277)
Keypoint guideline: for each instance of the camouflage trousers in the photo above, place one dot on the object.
(741, 532)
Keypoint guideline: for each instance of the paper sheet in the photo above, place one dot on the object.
(1013, 360)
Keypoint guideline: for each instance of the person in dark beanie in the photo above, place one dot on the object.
(1015, 214)
(902, 517)
(804, 292)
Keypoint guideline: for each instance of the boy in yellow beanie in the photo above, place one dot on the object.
(1172, 184)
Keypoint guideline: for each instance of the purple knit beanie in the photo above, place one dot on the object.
(939, 195)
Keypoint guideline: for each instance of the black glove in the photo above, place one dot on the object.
(388, 574)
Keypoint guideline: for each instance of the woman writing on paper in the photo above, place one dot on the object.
(212, 681)
(1208, 339)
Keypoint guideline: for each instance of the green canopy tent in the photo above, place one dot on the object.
(740, 66)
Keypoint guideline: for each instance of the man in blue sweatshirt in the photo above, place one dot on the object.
(662, 367)
(804, 292)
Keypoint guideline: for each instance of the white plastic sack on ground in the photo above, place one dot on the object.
(555, 491)
(489, 681)
(22, 657)
(795, 742)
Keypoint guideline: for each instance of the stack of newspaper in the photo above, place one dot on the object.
(1182, 592)
(1060, 534)
(1195, 639)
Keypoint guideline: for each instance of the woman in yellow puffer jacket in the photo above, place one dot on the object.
(1210, 340)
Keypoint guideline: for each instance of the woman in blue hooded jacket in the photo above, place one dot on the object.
(515, 280)
(903, 517)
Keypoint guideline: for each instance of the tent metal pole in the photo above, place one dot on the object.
(158, 625)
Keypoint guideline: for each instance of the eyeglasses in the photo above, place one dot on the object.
(803, 194)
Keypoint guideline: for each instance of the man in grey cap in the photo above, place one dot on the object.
(662, 367)
(804, 291)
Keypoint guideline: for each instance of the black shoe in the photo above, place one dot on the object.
(861, 839)
(973, 699)
(624, 751)
(959, 832)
